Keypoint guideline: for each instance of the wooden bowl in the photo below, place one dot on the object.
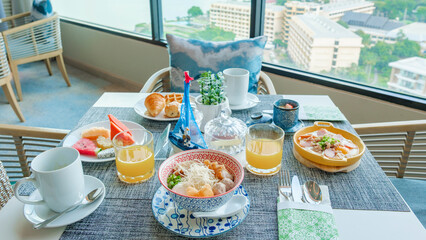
(323, 160)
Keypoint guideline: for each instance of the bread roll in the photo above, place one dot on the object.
(155, 103)
(172, 110)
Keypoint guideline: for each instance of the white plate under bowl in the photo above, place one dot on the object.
(38, 213)
(141, 110)
(74, 136)
(251, 101)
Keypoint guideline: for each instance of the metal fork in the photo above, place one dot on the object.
(285, 183)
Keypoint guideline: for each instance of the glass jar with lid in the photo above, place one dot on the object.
(225, 133)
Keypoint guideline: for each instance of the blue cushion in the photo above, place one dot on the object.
(41, 9)
(198, 56)
(414, 193)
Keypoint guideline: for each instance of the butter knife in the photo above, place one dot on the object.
(296, 189)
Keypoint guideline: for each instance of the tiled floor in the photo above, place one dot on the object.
(48, 102)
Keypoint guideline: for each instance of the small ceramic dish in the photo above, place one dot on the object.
(201, 204)
(320, 159)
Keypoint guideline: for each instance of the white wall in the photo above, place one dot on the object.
(133, 62)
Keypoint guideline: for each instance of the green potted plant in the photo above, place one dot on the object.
(212, 98)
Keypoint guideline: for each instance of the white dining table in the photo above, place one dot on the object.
(351, 224)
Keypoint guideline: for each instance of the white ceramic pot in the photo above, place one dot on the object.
(209, 111)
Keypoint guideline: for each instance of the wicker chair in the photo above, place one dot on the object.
(20, 144)
(160, 82)
(6, 191)
(5, 79)
(27, 41)
(398, 147)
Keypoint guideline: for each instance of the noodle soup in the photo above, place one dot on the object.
(190, 194)
(198, 178)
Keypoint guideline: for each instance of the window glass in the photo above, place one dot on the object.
(381, 44)
(210, 20)
(128, 15)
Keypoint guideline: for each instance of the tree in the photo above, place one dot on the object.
(421, 13)
(344, 24)
(213, 33)
(397, 8)
(281, 2)
(369, 60)
(366, 38)
(195, 11)
(406, 48)
(278, 43)
(384, 55)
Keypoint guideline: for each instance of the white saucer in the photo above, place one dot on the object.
(74, 136)
(182, 222)
(252, 100)
(38, 213)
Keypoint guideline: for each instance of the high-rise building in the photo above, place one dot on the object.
(377, 27)
(409, 75)
(317, 43)
(333, 10)
(336, 10)
(293, 8)
(235, 17)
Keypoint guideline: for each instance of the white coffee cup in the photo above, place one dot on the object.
(236, 85)
(58, 176)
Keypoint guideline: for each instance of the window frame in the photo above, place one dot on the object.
(257, 21)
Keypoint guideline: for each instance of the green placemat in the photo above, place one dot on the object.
(319, 112)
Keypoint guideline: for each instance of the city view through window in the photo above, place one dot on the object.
(378, 43)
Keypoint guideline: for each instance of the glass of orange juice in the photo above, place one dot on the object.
(264, 149)
(134, 155)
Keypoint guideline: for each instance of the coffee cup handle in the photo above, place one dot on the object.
(25, 199)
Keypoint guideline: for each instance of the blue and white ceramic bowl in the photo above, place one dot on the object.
(201, 204)
(283, 117)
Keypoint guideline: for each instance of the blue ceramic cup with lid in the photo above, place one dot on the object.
(286, 113)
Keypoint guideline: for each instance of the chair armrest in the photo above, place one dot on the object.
(390, 127)
(30, 25)
(14, 17)
(266, 83)
(153, 80)
(38, 132)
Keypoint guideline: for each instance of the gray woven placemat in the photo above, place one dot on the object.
(126, 211)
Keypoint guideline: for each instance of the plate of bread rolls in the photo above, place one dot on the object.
(160, 106)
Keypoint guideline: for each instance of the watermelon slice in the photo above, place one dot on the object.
(118, 124)
(85, 147)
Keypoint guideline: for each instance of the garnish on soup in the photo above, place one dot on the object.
(328, 144)
(200, 179)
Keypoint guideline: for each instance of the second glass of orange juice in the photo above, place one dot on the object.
(264, 149)
(134, 155)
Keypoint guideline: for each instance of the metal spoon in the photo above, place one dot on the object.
(232, 207)
(90, 197)
(312, 192)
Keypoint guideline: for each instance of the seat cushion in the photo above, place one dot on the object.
(414, 193)
(198, 56)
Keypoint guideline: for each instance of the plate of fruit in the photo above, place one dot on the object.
(94, 141)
